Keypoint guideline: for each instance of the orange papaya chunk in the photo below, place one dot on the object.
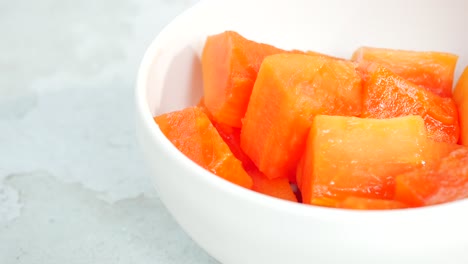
(405, 183)
(387, 95)
(325, 201)
(230, 64)
(191, 131)
(299, 171)
(278, 187)
(231, 136)
(289, 91)
(434, 151)
(359, 203)
(352, 156)
(431, 70)
(460, 95)
(444, 182)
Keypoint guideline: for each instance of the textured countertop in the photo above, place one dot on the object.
(73, 185)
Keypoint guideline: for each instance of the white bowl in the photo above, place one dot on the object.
(236, 225)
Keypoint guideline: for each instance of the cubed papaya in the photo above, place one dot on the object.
(278, 188)
(352, 156)
(431, 70)
(289, 91)
(191, 131)
(230, 64)
(387, 95)
(359, 203)
(231, 136)
(460, 95)
(299, 172)
(444, 182)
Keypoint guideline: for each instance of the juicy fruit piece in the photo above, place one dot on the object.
(387, 95)
(231, 136)
(351, 156)
(299, 172)
(460, 95)
(431, 70)
(191, 131)
(278, 187)
(290, 90)
(353, 202)
(229, 65)
(325, 202)
(445, 182)
(434, 151)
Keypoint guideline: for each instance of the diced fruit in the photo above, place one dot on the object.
(376, 132)
(445, 182)
(387, 95)
(460, 95)
(434, 151)
(431, 70)
(359, 203)
(299, 172)
(351, 156)
(230, 64)
(278, 187)
(290, 90)
(191, 131)
(325, 201)
(231, 136)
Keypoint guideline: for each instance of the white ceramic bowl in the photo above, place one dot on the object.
(236, 225)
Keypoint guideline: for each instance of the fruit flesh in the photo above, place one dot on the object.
(230, 64)
(191, 131)
(278, 188)
(340, 162)
(445, 182)
(460, 95)
(358, 203)
(431, 70)
(290, 90)
(387, 95)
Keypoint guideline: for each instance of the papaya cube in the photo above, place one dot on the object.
(351, 156)
(300, 167)
(289, 91)
(191, 131)
(445, 182)
(460, 95)
(278, 188)
(358, 203)
(230, 64)
(387, 95)
(431, 70)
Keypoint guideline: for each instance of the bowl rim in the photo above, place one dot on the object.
(335, 214)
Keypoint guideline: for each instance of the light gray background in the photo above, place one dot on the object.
(73, 185)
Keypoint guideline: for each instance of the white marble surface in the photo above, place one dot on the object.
(73, 185)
